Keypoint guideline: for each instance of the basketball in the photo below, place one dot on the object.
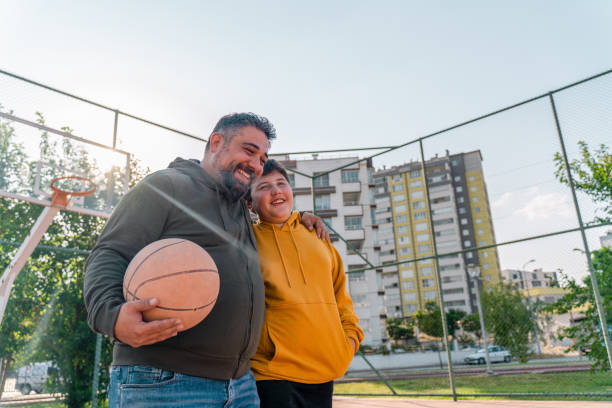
(180, 274)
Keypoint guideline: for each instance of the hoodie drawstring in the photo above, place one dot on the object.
(281, 256)
(298, 254)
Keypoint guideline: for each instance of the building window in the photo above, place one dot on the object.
(443, 199)
(461, 210)
(480, 232)
(408, 285)
(443, 210)
(473, 189)
(352, 222)
(469, 255)
(446, 244)
(485, 266)
(464, 221)
(396, 177)
(424, 248)
(404, 239)
(459, 189)
(467, 243)
(400, 208)
(420, 215)
(350, 176)
(484, 254)
(426, 271)
(404, 229)
(483, 242)
(488, 278)
(478, 220)
(476, 209)
(321, 181)
(322, 202)
(472, 178)
(399, 197)
(417, 194)
(429, 295)
(401, 219)
(422, 237)
(417, 205)
(421, 226)
(443, 221)
(356, 276)
(404, 251)
(415, 173)
(291, 179)
(455, 162)
(409, 296)
(457, 179)
(351, 198)
(428, 283)
(465, 232)
(360, 300)
(407, 273)
(416, 184)
(357, 244)
(398, 187)
(411, 309)
(475, 199)
(460, 200)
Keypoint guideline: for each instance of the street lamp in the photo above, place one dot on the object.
(474, 272)
(535, 324)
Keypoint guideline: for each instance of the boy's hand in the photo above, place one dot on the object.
(131, 329)
(311, 221)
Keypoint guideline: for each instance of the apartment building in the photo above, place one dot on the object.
(606, 240)
(343, 199)
(460, 220)
(537, 284)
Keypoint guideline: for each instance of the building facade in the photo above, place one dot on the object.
(343, 199)
(459, 222)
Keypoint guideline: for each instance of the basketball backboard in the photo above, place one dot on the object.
(32, 155)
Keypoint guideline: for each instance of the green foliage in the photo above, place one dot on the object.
(580, 299)
(399, 329)
(507, 317)
(471, 323)
(592, 174)
(429, 321)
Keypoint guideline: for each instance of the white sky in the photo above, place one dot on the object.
(337, 75)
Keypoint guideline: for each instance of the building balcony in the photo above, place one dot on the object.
(353, 259)
(353, 210)
(325, 189)
(354, 234)
(327, 213)
(351, 187)
(301, 191)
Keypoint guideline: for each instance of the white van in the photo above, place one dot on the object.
(33, 377)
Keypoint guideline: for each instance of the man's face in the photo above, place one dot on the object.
(241, 158)
(272, 198)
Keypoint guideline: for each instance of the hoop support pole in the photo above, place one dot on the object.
(22, 255)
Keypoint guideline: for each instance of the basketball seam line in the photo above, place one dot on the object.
(178, 309)
(147, 257)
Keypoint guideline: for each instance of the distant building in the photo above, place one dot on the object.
(537, 284)
(460, 220)
(606, 240)
(342, 198)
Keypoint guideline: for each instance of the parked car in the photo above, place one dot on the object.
(496, 354)
(32, 377)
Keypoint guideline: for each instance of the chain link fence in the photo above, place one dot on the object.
(457, 244)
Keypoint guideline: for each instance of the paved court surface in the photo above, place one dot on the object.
(348, 402)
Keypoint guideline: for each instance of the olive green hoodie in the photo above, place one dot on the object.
(183, 201)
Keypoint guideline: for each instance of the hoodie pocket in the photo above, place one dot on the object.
(266, 347)
(309, 342)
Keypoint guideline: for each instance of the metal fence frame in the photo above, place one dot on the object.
(385, 149)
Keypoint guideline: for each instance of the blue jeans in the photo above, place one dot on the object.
(139, 386)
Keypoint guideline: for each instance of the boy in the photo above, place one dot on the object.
(310, 333)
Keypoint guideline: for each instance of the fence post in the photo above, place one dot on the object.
(96, 372)
(451, 374)
(587, 251)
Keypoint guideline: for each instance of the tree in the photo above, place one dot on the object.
(587, 332)
(508, 318)
(399, 329)
(430, 320)
(471, 323)
(592, 174)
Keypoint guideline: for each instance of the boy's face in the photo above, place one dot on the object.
(272, 198)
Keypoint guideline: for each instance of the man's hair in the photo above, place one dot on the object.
(270, 166)
(228, 125)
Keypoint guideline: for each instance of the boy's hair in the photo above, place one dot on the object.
(229, 124)
(269, 166)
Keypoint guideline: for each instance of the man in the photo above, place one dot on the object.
(155, 364)
(310, 332)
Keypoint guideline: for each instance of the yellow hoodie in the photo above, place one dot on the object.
(309, 313)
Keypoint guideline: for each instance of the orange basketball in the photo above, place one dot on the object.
(180, 274)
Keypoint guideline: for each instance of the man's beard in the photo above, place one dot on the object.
(236, 188)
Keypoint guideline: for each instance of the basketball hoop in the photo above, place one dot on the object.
(61, 197)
